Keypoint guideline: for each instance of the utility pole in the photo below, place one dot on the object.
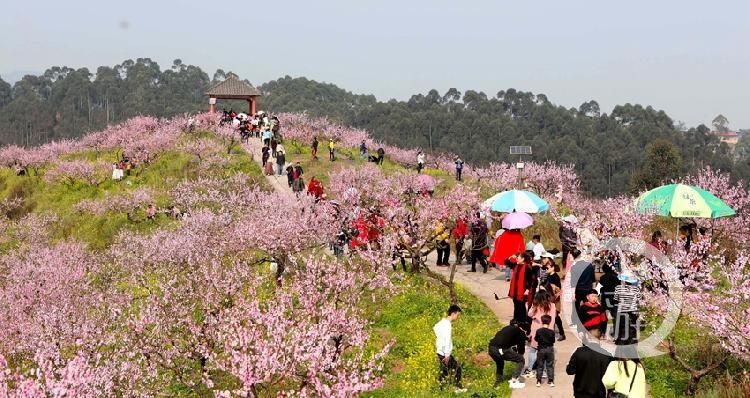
(520, 151)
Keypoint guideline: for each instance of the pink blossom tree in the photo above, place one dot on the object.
(70, 172)
(128, 202)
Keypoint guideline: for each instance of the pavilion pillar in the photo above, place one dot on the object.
(212, 105)
(251, 102)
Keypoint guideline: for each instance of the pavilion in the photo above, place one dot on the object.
(233, 88)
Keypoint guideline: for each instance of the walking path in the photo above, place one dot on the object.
(279, 182)
(483, 286)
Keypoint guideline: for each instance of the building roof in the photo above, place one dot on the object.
(232, 87)
(725, 133)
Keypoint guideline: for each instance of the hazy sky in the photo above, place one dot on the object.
(690, 58)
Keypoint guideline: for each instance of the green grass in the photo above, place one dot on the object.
(98, 232)
(321, 168)
(412, 367)
(667, 379)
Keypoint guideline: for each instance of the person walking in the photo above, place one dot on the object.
(265, 154)
(331, 148)
(520, 284)
(298, 184)
(568, 237)
(290, 175)
(459, 168)
(267, 134)
(625, 376)
(583, 275)
(478, 245)
(444, 346)
(460, 231)
(280, 160)
(554, 287)
(441, 244)
(363, 150)
(588, 365)
(508, 345)
(274, 147)
(545, 360)
(609, 282)
(542, 306)
(314, 147)
(420, 162)
(627, 296)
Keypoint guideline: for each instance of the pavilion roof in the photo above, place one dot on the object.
(232, 87)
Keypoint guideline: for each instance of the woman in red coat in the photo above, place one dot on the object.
(521, 285)
(507, 244)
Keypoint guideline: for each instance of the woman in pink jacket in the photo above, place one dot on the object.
(542, 305)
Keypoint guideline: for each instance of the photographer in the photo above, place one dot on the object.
(509, 345)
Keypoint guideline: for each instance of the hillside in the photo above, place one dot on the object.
(194, 275)
(608, 150)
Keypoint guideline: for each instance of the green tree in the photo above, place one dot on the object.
(721, 124)
(6, 93)
(662, 164)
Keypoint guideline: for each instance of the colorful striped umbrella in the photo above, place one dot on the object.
(520, 201)
(680, 200)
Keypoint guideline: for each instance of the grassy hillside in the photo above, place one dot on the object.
(38, 195)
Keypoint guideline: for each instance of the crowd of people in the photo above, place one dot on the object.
(122, 167)
(273, 154)
(606, 298)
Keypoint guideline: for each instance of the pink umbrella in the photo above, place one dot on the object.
(426, 182)
(518, 220)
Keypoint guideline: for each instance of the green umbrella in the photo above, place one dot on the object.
(680, 200)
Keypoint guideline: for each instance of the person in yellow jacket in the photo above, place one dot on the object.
(441, 243)
(331, 147)
(626, 376)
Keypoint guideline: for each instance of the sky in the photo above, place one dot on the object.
(690, 58)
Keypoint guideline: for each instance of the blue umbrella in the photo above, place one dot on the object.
(520, 201)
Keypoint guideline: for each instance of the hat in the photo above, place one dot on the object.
(628, 277)
(570, 218)
(547, 255)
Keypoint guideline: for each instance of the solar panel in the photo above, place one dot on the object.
(520, 150)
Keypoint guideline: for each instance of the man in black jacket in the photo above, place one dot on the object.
(588, 365)
(509, 344)
(478, 244)
(568, 237)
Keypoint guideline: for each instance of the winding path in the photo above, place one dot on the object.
(483, 286)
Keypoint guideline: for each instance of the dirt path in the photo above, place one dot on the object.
(483, 286)
(279, 182)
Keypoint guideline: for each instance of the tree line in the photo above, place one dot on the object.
(631, 148)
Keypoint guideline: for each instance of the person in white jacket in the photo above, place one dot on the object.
(420, 161)
(444, 346)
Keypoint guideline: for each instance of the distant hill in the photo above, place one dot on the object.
(607, 149)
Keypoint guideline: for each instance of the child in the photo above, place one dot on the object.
(545, 356)
(591, 313)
